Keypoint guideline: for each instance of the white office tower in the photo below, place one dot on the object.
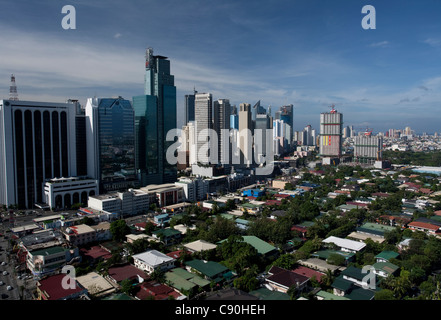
(37, 143)
(204, 124)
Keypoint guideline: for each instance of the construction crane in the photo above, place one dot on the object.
(332, 106)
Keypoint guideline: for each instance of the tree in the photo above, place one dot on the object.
(285, 261)
(127, 286)
(336, 259)
(384, 294)
(119, 230)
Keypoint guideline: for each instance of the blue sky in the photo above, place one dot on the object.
(308, 53)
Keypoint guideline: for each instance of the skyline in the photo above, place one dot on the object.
(307, 53)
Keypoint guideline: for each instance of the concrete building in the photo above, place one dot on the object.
(206, 150)
(245, 137)
(221, 125)
(130, 202)
(37, 142)
(331, 133)
(65, 192)
(368, 148)
(152, 260)
(80, 234)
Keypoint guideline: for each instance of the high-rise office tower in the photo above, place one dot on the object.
(37, 142)
(221, 121)
(331, 124)
(261, 125)
(110, 131)
(205, 150)
(155, 116)
(245, 134)
(189, 107)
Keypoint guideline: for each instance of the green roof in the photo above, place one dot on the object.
(387, 267)
(341, 284)
(324, 254)
(358, 293)
(354, 272)
(181, 278)
(261, 246)
(118, 296)
(329, 296)
(375, 228)
(48, 251)
(169, 232)
(387, 255)
(208, 268)
(227, 216)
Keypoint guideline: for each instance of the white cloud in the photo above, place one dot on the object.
(381, 44)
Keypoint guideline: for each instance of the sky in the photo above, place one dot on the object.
(309, 53)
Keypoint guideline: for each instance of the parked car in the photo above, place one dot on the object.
(9, 288)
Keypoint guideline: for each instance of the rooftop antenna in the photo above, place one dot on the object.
(13, 95)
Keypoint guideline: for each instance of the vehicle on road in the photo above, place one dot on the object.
(9, 288)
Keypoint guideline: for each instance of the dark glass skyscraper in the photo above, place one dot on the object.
(189, 107)
(111, 143)
(155, 115)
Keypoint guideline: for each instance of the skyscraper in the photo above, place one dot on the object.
(155, 114)
(204, 123)
(331, 124)
(37, 142)
(245, 134)
(189, 107)
(221, 121)
(110, 135)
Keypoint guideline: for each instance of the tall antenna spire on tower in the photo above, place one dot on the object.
(13, 95)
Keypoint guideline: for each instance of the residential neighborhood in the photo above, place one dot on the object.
(332, 233)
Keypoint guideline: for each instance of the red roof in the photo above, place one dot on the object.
(273, 202)
(423, 225)
(126, 271)
(175, 254)
(285, 277)
(380, 194)
(360, 204)
(282, 196)
(53, 288)
(157, 290)
(309, 273)
(96, 252)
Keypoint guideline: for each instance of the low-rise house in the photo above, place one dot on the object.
(199, 246)
(186, 282)
(428, 228)
(118, 273)
(385, 256)
(345, 244)
(156, 291)
(95, 254)
(152, 260)
(95, 284)
(281, 280)
(385, 269)
(209, 270)
(353, 284)
(57, 287)
(167, 236)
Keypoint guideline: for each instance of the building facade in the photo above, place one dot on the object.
(110, 134)
(331, 124)
(37, 142)
(155, 116)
